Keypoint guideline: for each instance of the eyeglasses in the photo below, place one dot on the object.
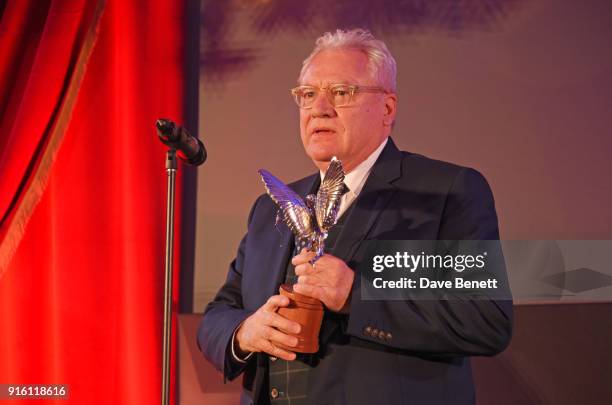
(339, 95)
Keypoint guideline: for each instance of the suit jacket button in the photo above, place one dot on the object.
(374, 332)
(382, 335)
(388, 337)
(274, 393)
(367, 331)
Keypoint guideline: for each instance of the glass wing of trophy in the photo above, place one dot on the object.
(310, 221)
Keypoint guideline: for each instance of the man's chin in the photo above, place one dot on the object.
(321, 155)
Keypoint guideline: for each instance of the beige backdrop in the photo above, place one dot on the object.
(525, 100)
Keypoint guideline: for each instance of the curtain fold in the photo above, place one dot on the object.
(82, 196)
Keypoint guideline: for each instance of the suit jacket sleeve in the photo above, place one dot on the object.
(223, 315)
(444, 327)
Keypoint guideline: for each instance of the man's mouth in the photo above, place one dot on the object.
(322, 131)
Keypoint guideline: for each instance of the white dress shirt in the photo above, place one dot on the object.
(357, 177)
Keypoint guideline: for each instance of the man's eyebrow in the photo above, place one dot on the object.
(327, 84)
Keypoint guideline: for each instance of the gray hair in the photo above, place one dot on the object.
(380, 61)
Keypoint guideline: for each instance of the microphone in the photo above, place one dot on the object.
(191, 150)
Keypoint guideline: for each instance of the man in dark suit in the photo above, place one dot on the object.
(399, 352)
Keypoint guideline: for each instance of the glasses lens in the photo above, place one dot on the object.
(305, 96)
(340, 95)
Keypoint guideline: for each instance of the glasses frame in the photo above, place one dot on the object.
(353, 89)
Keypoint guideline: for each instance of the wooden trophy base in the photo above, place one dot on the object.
(306, 311)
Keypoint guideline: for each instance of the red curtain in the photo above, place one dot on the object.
(82, 193)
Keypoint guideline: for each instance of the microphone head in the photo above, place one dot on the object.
(188, 148)
(201, 156)
(166, 130)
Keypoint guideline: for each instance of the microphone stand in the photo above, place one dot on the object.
(174, 137)
(171, 168)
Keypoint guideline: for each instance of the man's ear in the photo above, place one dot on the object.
(390, 109)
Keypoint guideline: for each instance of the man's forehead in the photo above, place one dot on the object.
(337, 66)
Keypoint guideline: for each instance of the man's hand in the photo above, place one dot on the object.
(263, 330)
(330, 280)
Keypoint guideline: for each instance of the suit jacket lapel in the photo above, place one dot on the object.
(372, 200)
(374, 197)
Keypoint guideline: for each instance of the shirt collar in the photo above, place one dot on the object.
(356, 178)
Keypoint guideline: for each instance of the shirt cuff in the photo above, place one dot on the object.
(234, 355)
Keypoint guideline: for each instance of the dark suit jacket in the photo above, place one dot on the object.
(422, 355)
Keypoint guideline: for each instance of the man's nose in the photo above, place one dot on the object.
(322, 106)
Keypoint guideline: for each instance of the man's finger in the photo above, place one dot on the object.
(314, 280)
(276, 351)
(309, 290)
(275, 302)
(283, 324)
(304, 257)
(276, 336)
(304, 269)
(324, 262)
(327, 261)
